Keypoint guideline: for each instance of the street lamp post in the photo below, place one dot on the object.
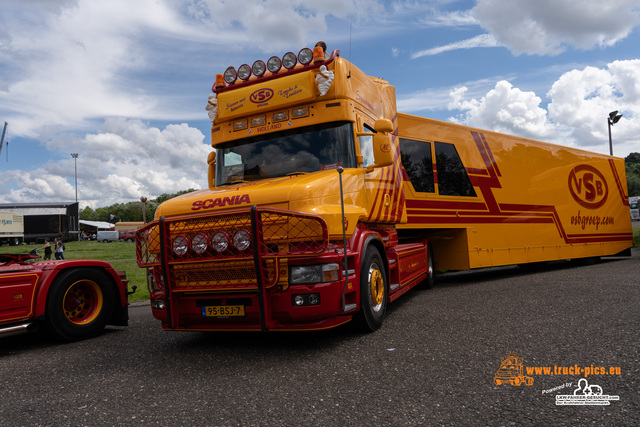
(144, 209)
(613, 118)
(75, 163)
(75, 167)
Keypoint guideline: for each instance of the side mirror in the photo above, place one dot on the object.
(211, 160)
(383, 125)
(382, 152)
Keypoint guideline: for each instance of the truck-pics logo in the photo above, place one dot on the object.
(588, 186)
(261, 95)
(511, 371)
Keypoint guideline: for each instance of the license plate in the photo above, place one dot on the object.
(223, 311)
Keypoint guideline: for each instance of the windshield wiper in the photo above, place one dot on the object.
(296, 173)
(235, 181)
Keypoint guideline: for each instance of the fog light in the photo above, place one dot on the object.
(157, 304)
(306, 299)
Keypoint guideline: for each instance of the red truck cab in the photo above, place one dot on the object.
(74, 299)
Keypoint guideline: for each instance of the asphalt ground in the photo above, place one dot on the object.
(433, 362)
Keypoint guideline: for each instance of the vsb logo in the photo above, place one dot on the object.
(588, 186)
(261, 95)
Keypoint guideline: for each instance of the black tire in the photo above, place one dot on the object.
(431, 270)
(15, 241)
(374, 291)
(80, 303)
(129, 239)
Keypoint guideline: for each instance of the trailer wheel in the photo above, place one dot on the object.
(373, 292)
(431, 270)
(79, 304)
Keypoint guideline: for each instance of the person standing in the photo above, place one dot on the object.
(59, 248)
(47, 250)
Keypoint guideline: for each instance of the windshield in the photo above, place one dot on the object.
(308, 149)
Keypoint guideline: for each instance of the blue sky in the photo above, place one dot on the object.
(124, 83)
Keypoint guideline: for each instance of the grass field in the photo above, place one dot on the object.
(121, 255)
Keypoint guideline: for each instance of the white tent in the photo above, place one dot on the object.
(100, 225)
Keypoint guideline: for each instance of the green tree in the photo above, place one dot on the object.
(632, 168)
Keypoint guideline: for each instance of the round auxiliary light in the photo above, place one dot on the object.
(230, 75)
(305, 56)
(220, 241)
(199, 243)
(258, 68)
(274, 64)
(180, 245)
(289, 60)
(244, 71)
(241, 240)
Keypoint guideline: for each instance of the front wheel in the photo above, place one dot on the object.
(79, 304)
(373, 292)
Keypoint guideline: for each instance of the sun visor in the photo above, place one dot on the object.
(272, 94)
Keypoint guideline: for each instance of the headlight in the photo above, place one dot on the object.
(244, 71)
(319, 273)
(199, 243)
(274, 64)
(258, 68)
(305, 56)
(220, 241)
(242, 240)
(180, 245)
(289, 60)
(230, 75)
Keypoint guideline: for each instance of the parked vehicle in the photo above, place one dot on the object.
(635, 212)
(325, 204)
(108, 236)
(74, 299)
(127, 235)
(11, 228)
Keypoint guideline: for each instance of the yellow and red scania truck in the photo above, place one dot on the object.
(325, 204)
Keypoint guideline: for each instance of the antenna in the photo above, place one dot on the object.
(350, 38)
(4, 130)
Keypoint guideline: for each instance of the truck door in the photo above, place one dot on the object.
(16, 296)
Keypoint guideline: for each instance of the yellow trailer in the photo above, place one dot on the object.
(494, 199)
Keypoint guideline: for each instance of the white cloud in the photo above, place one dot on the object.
(483, 40)
(504, 109)
(548, 27)
(125, 160)
(583, 99)
(73, 62)
(579, 104)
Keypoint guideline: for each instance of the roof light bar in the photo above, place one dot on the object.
(289, 61)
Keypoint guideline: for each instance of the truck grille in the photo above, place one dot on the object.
(228, 251)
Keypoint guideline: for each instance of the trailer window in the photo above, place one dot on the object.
(418, 163)
(452, 176)
(308, 149)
